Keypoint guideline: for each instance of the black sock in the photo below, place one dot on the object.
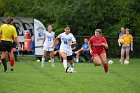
(4, 64)
(15, 55)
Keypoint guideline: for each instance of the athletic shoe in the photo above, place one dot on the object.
(67, 69)
(12, 69)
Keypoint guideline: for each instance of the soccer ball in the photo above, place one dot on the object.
(110, 62)
(121, 41)
(70, 70)
(126, 62)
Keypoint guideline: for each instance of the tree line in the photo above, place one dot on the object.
(84, 16)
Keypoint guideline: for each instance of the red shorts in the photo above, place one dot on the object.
(94, 54)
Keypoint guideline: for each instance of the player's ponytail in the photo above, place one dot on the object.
(9, 20)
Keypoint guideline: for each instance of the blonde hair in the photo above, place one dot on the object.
(100, 31)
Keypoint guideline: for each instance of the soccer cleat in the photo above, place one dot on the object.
(12, 69)
(5, 71)
(67, 69)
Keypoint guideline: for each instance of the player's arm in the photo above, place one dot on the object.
(15, 39)
(0, 32)
(44, 39)
(104, 44)
(90, 47)
(73, 42)
(55, 39)
(120, 37)
(132, 44)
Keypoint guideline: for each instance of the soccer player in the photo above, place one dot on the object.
(84, 50)
(122, 32)
(8, 35)
(48, 45)
(67, 40)
(97, 45)
(126, 46)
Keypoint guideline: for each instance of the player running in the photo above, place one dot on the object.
(97, 45)
(67, 39)
(126, 45)
(48, 45)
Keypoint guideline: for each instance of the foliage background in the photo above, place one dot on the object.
(84, 16)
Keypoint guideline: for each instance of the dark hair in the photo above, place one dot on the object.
(67, 26)
(9, 19)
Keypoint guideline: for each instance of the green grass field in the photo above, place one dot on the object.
(29, 77)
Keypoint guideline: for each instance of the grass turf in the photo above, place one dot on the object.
(29, 77)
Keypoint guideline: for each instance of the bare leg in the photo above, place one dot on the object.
(127, 54)
(97, 60)
(122, 55)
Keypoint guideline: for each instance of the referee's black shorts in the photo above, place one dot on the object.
(5, 46)
(14, 45)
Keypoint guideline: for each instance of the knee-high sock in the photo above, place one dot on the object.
(42, 63)
(65, 64)
(52, 60)
(4, 65)
(106, 68)
(12, 63)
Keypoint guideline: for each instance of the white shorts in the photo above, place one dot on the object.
(46, 48)
(68, 52)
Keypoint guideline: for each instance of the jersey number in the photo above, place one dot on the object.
(65, 42)
(49, 39)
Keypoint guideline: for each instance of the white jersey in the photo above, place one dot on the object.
(65, 40)
(49, 39)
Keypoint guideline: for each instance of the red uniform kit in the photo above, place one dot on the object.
(97, 48)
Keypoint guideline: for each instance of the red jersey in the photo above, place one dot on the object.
(96, 44)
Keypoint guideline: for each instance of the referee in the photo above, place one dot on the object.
(8, 36)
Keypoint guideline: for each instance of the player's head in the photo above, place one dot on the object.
(85, 40)
(98, 32)
(49, 28)
(123, 29)
(9, 20)
(127, 30)
(67, 29)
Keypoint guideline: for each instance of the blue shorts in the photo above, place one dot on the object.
(125, 47)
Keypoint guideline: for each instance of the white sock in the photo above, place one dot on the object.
(65, 64)
(42, 63)
(52, 60)
(77, 59)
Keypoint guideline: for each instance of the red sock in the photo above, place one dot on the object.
(11, 63)
(106, 68)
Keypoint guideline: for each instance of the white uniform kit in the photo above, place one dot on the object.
(49, 41)
(47, 46)
(65, 40)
